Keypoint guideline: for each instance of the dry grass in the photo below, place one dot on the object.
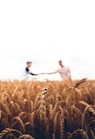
(47, 110)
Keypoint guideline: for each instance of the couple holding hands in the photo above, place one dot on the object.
(63, 71)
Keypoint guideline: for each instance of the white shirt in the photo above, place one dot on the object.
(25, 76)
(64, 73)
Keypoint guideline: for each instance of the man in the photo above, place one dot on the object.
(63, 71)
(27, 72)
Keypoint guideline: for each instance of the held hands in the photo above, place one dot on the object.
(42, 73)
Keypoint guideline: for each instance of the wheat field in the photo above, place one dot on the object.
(47, 109)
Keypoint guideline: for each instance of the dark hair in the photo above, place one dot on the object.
(28, 62)
(60, 60)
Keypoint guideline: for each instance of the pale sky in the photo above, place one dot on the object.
(44, 32)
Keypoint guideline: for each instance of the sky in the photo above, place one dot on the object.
(44, 32)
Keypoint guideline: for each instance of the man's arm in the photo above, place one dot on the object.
(33, 74)
(69, 74)
(51, 72)
(27, 70)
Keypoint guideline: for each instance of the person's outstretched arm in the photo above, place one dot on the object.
(33, 74)
(51, 72)
(27, 70)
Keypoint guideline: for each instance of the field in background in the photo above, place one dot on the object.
(47, 109)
